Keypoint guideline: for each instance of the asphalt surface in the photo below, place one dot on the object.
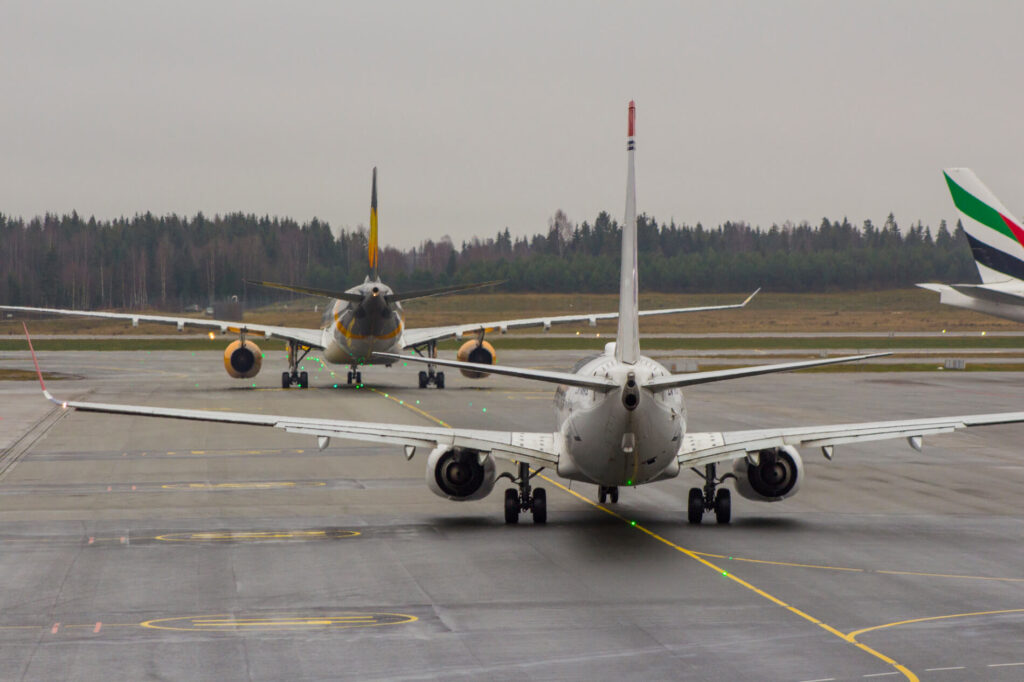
(142, 549)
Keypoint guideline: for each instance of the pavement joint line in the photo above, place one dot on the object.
(906, 672)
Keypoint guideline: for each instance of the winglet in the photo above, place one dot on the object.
(751, 297)
(39, 372)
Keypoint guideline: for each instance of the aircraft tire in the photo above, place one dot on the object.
(439, 379)
(613, 493)
(286, 380)
(511, 506)
(695, 506)
(304, 380)
(423, 379)
(723, 506)
(540, 506)
(602, 494)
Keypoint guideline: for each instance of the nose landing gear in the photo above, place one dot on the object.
(607, 492)
(355, 375)
(534, 501)
(708, 499)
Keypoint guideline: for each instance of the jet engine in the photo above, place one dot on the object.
(243, 359)
(776, 476)
(480, 352)
(460, 474)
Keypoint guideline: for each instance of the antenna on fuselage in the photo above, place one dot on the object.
(372, 255)
(627, 342)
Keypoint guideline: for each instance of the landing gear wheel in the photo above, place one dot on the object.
(304, 380)
(359, 378)
(723, 506)
(540, 506)
(423, 379)
(439, 379)
(349, 377)
(613, 493)
(602, 494)
(511, 506)
(286, 380)
(695, 506)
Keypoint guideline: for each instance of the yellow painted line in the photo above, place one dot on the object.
(953, 575)
(857, 633)
(906, 672)
(215, 536)
(782, 563)
(265, 485)
(415, 409)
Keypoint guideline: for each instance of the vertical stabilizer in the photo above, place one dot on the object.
(372, 254)
(627, 343)
(996, 238)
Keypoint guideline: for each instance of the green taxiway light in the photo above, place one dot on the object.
(417, 402)
(335, 385)
(725, 573)
(401, 402)
(483, 409)
(632, 523)
(629, 482)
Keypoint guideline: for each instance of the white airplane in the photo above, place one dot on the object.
(997, 244)
(361, 323)
(621, 421)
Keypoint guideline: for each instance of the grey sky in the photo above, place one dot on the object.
(483, 115)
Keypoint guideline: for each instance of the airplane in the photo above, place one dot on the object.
(997, 245)
(362, 322)
(621, 422)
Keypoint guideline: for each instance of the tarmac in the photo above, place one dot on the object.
(142, 549)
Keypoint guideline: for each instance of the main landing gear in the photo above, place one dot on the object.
(534, 501)
(355, 375)
(607, 492)
(708, 499)
(431, 376)
(293, 377)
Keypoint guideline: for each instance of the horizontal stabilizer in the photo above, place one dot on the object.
(564, 378)
(441, 291)
(677, 380)
(310, 291)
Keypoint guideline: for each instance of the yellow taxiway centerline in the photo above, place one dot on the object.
(906, 672)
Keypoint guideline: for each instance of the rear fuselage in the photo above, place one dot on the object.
(608, 444)
(354, 331)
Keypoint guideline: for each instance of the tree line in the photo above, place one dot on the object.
(171, 261)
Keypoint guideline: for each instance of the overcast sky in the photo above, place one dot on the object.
(482, 115)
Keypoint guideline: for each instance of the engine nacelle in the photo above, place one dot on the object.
(776, 477)
(480, 352)
(243, 360)
(460, 474)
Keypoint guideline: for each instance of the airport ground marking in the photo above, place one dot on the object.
(857, 633)
(906, 672)
(226, 622)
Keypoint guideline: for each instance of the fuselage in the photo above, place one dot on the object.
(608, 444)
(354, 331)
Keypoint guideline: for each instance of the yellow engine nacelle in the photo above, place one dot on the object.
(479, 352)
(243, 361)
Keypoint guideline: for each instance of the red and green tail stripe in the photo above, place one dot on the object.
(975, 208)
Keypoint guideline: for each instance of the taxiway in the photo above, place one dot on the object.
(136, 548)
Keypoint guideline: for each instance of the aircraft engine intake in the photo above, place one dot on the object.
(243, 360)
(480, 352)
(460, 474)
(777, 475)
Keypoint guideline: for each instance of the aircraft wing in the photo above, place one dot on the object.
(699, 449)
(307, 337)
(413, 338)
(539, 449)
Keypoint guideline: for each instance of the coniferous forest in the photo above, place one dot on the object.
(171, 262)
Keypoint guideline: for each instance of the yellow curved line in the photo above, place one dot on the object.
(856, 633)
(781, 563)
